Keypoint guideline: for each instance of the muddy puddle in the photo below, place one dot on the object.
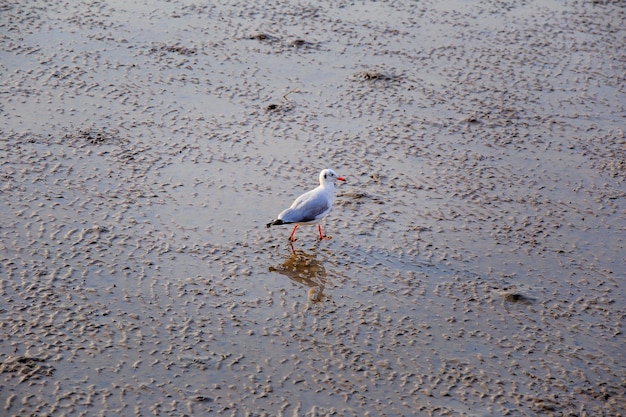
(477, 259)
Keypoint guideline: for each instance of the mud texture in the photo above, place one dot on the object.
(477, 263)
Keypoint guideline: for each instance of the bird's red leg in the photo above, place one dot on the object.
(322, 237)
(291, 239)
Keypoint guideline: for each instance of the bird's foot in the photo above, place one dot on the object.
(325, 237)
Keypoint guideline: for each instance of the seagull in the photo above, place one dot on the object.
(311, 206)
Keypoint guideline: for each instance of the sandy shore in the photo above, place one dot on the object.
(477, 263)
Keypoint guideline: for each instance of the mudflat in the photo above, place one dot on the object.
(477, 263)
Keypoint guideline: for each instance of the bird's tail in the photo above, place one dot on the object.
(276, 222)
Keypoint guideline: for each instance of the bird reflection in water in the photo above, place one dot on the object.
(304, 268)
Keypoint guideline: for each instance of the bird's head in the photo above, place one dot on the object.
(328, 176)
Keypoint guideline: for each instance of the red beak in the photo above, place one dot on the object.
(341, 178)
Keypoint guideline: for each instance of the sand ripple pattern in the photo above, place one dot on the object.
(477, 260)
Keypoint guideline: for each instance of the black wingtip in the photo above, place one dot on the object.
(277, 222)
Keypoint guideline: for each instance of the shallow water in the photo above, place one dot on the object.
(477, 260)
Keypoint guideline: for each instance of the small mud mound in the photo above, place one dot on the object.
(92, 136)
(358, 198)
(264, 37)
(284, 45)
(278, 107)
(374, 76)
(175, 48)
(301, 43)
(515, 294)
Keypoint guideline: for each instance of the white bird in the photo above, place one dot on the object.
(311, 206)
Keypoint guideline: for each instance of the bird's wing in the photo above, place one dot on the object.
(307, 208)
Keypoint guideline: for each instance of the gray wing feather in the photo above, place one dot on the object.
(306, 208)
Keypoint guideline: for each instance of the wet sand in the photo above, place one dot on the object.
(477, 260)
